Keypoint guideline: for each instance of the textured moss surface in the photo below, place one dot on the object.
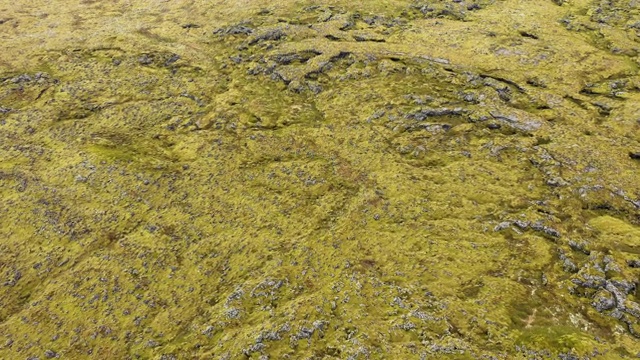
(389, 179)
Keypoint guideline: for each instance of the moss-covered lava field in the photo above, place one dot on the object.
(294, 179)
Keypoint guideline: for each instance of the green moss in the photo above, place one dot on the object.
(389, 179)
(556, 338)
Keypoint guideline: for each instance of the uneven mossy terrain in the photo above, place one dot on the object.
(389, 179)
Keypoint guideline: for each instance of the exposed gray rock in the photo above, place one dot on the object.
(427, 113)
(603, 301)
(590, 281)
(514, 121)
(634, 263)
(257, 347)
(503, 225)
(239, 29)
(232, 313)
(546, 230)
(271, 35)
(581, 247)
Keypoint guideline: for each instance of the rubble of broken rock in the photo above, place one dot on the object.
(411, 179)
